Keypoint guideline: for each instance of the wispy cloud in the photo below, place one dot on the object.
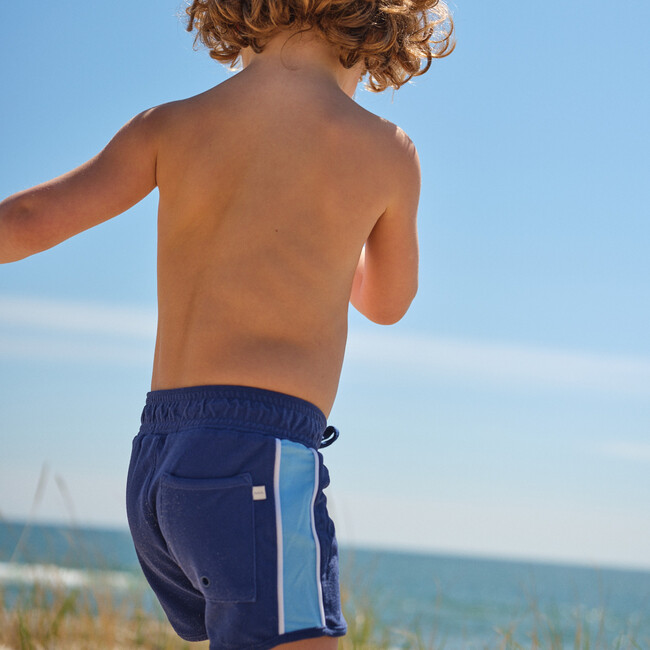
(76, 316)
(74, 331)
(625, 450)
(501, 362)
(45, 348)
(120, 331)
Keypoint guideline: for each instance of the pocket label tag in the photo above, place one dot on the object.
(259, 493)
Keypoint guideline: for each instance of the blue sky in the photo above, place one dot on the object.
(506, 415)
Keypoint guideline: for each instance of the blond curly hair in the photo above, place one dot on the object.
(392, 37)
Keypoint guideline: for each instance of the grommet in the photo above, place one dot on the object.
(205, 580)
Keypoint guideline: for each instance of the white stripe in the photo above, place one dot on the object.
(316, 540)
(278, 533)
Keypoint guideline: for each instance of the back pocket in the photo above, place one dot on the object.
(209, 527)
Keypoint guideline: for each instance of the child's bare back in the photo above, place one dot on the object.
(281, 202)
(270, 185)
(269, 188)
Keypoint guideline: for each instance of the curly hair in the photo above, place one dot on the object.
(392, 37)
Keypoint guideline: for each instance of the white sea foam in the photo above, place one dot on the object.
(55, 576)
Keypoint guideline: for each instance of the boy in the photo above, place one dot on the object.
(281, 200)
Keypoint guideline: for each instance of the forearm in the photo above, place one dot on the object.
(357, 282)
(366, 299)
(383, 298)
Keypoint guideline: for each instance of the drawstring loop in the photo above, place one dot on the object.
(330, 435)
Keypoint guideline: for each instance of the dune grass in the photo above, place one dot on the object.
(95, 618)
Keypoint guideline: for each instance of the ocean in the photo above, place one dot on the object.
(455, 603)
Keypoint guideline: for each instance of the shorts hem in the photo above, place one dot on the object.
(193, 638)
(288, 637)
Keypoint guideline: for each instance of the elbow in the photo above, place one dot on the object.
(389, 313)
(388, 316)
(16, 234)
(386, 319)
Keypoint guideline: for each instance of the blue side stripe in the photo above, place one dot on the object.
(301, 555)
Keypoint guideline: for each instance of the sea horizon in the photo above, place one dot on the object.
(347, 546)
(466, 599)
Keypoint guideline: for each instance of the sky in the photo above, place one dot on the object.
(507, 415)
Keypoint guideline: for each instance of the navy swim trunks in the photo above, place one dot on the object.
(226, 508)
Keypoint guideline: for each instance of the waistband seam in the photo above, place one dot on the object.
(297, 403)
(188, 426)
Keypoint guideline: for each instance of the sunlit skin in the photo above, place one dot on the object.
(270, 185)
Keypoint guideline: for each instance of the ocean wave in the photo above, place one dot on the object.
(52, 575)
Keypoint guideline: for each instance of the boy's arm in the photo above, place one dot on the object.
(122, 174)
(386, 279)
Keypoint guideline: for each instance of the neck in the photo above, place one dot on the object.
(305, 54)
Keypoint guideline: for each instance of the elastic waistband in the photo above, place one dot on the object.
(242, 408)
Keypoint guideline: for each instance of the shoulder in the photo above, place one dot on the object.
(405, 152)
(154, 120)
(395, 144)
(144, 129)
(392, 155)
(401, 160)
(157, 119)
(172, 118)
(389, 137)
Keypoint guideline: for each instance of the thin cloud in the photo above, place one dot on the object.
(76, 316)
(54, 349)
(632, 451)
(501, 362)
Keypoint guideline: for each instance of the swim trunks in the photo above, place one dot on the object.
(226, 508)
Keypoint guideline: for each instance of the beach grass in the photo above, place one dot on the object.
(95, 618)
(44, 618)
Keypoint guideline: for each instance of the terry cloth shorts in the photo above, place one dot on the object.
(226, 507)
